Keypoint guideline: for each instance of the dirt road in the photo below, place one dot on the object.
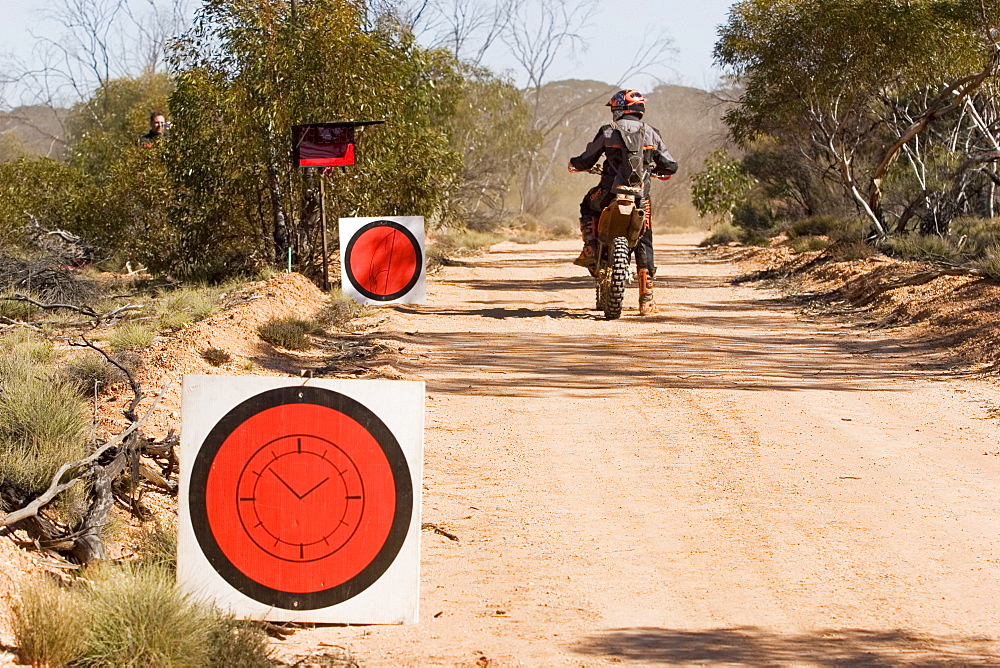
(724, 483)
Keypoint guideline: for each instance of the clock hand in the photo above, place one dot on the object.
(313, 488)
(297, 495)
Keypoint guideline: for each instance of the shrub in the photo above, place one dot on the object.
(721, 234)
(130, 336)
(813, 226)
(290, 333)
(131, 617)
(560, 227)
(976, 237)
(753, 217)
(138, 618)
(808, 244)
(91, 372)
(989, 262)
(847, 251)
(341, 311)
(48, 625)
(186, 305)
(233, 642)
(43, 421)
(157, 548)
(465, 240)
(926, 248)
(215, 356)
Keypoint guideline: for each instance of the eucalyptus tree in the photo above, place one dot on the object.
(829, 77)
(249, 70)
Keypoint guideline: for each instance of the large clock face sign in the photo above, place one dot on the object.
(300, 497)
(382, 259)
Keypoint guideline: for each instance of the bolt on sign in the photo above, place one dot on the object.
(300, 501)
(382, 259)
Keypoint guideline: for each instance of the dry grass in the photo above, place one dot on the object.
(43, 420)
(290, 333)
(131, 617)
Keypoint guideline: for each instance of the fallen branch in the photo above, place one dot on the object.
(83, 310)
(57, 487)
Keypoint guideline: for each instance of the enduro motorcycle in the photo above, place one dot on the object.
(621, 224)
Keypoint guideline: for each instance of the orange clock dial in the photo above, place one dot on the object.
(301, 497)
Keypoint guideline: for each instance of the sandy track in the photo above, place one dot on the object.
(724, 483)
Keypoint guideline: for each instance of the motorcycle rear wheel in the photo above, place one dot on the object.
(619, 277)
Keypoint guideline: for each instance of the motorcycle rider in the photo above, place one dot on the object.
(627, 109)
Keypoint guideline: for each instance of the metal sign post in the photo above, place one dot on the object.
(322, 227)
(325, 145)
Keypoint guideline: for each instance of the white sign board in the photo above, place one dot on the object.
(382, 260)
(300, 500)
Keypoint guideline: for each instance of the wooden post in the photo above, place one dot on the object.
(322, 227)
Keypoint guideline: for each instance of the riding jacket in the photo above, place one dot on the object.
(609, 143)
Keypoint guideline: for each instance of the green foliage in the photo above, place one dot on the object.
(721, 186)
(290, 333)
(111, 121)
(812, 226)
(40, 189)
(43, 421)
(234, 642)
(837, 83)
(806, 56)
(490, 130)
(754, 217)
(245, 74)
(138, 619)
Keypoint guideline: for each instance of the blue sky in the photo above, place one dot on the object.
(692, 25)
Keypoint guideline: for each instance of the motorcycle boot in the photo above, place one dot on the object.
(588, 256)
(646, 304)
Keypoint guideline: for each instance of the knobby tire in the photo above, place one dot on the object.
(619, 276)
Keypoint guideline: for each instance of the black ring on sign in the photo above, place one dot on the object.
(397, 464)
(416, 252)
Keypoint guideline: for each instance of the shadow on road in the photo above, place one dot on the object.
(530, 364)
(749, 646)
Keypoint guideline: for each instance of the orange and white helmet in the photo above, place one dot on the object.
(627, 101)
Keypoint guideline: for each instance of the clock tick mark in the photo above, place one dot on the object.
(249, 498)
(352, 497)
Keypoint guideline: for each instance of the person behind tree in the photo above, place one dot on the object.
(627, 109)
(157, 126)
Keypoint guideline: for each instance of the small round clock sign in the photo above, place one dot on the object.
(382, 259)
(301, 497)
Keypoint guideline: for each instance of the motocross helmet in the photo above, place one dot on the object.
(627, 101)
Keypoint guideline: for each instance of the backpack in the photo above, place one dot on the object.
(634, 172)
